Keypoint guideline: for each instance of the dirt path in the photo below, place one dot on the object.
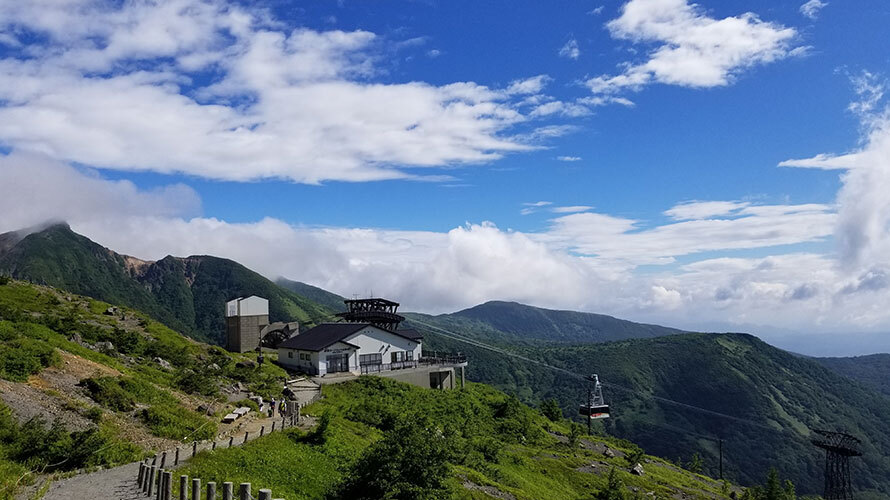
(119, 483)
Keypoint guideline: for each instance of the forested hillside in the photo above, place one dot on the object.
(873, 371)
(518, 322)
(772, 396)
(187, 294)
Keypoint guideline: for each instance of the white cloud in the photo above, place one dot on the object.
(812, 7)
(691, 48)
(301, 105)
(571, 209)
(570, 50)
(560, 108)
(704, 209)
(597, 11)
(532, 207)
(533, 85)
(585, 261)
(569, 158)
(433, 53)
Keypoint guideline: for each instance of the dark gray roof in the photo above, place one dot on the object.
(411, 333)
(326, 334)
(323, 335)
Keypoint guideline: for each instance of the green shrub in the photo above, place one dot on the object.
(550, 409)
(21, 357)
(107, 391)
(197, 382)
(175, 422)
(410, 462)
(4, 280)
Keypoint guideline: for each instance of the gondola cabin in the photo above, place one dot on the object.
(595, 411)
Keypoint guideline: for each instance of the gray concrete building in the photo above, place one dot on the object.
(246, 317)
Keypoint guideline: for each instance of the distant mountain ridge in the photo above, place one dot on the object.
(185, 293)
(872, 371)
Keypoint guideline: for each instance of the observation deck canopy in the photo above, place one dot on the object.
(376, 311)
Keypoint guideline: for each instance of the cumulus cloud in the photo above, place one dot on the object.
(863, 230)
(811, 8)
(704, 209)
(584, 260)
(226, 92)
(570, 50)
(692, 49)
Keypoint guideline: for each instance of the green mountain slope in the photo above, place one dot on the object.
(187, 294)
(386, 439)
(775, 397)
(514, 321)
(82, 388)
(321, 296)
(873, 370)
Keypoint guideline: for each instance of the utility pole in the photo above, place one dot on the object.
(721, 459)
(589, 409)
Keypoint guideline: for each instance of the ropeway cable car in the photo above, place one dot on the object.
(596, 406)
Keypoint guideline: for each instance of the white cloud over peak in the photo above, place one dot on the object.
(692, 49)
(584, 260)
(570, 50)
(811, 8)
(226, 92)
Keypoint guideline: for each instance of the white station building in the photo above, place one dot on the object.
(350, 347)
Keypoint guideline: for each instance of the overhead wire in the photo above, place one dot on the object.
(477, 343)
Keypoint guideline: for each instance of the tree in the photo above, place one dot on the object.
(550, 409)
(695, 465)
(410, 462)
(614, 489)
(575, 432)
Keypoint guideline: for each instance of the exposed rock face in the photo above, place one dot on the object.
(637, 469)
(163, 363)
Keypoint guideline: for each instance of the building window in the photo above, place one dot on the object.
(290, 354)
(409, 355)
(304, 356)
(370, 359)
(398, 356)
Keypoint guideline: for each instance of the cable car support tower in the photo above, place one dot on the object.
(839, 447)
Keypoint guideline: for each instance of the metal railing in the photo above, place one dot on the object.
(428, 359)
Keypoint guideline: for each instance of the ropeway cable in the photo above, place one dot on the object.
(483, 345)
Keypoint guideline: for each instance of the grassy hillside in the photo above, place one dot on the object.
(518, 322)
(321, 296)
(779, 397)
(186, 294)
(393, 439)
(81, 388)
(873, 371)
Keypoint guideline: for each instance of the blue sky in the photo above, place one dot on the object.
(619, 157)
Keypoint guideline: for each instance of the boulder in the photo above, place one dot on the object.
(637, 470)
(247, 363)
(104, 346)
(609, 453)
(163, 363)
(213, 367)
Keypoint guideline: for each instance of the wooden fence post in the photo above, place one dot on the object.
(244, 492)
(168, 485)
(183, 487)
(245, 436)
(265, 494)
(231, 438)
(227, 491)
(176, 460)
(194, 448)
(141, 473)
(151, 479)
(262, 430)
(162, 494)
(196, 489)
(273, 426)
(211, 490)
(214, 446)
